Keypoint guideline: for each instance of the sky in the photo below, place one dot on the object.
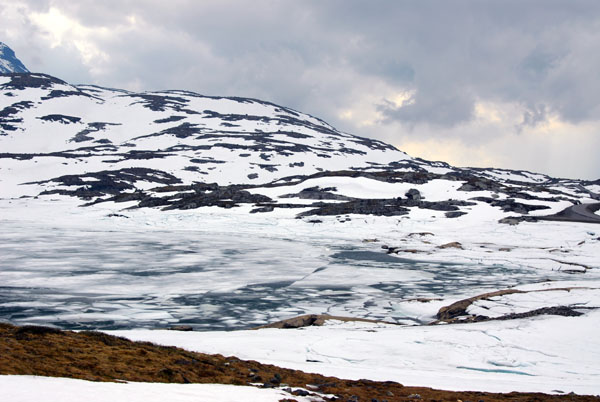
(511, 84)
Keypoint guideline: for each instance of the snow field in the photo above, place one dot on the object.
(34, 389)
(544, 354)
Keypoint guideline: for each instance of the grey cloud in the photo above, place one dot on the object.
(319, 57)
(442, 110)
(537, 65)
(532, 116)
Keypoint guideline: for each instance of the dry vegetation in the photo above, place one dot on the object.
(97, 356)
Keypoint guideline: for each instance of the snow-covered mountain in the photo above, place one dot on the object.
(182, 150)
(9, 63)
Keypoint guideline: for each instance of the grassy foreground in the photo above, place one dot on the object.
(95, 356)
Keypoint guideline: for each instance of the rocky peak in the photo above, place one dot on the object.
(9, 63)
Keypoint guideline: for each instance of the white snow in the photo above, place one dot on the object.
(544, 354)
(34, 389)
(524, 176)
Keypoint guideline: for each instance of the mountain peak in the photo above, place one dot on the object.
(9, 63)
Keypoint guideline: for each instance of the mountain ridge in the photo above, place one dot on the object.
(170, 149)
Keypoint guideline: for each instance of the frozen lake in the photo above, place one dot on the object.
(105, 279)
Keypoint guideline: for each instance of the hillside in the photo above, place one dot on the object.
(181, 150)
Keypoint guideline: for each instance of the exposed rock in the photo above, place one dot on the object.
(112, 215)
(421, 234)
(317, 193)
(112, 182)
(585, 213)
(453, 244)
(95, 127)
(455, 214)
(381, 207)
(214, 195)
(510, 221)
(413, 194)
(515, 220)
(268, 208)
(459, 308)
(564, 311)
(457, 312)
(510, 205)
(184, 328)
(480, 184)
(361, 207)
(60, 118)
(24, 81)
(314, 319)
(398, 250)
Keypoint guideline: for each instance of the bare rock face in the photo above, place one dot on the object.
(9, 63)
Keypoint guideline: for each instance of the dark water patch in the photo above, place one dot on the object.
(370, 256)
(495, 370)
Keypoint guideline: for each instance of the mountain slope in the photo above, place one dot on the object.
(9, 63)
(182, 150)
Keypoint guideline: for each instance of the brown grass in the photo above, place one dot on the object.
(95, 356)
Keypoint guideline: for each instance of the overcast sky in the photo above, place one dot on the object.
(513, 84)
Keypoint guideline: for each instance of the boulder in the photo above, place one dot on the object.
(413, 194)
(453, 244)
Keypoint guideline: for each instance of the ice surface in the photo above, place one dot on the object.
(224, 269)
(102, 278)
